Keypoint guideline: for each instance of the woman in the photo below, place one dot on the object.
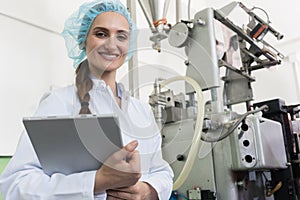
(99, 37)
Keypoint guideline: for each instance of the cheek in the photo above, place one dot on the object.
(124, 47)
(93, 45)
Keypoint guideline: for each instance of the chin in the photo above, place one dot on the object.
(109, 67)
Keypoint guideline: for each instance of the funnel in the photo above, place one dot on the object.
(155, 11)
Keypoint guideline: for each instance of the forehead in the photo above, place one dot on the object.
(111, 20)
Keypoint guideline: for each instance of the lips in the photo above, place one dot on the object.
(109, 56)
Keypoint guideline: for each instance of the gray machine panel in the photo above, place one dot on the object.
(202, 54)
(260, 147)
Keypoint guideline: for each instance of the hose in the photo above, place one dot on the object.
(198, 130)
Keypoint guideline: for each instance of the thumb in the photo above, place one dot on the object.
(123, 154)
(127, 150)
(131, 146)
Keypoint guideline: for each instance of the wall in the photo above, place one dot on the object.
(30, 60)
(33, 60)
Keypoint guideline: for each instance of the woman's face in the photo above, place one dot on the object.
(107, 42)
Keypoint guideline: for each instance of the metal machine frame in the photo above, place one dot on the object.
(249, 156)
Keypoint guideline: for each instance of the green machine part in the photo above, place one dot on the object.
(3, 162)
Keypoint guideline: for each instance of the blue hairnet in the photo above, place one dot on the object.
(78, 24)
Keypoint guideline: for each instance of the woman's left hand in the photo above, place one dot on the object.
(139, 191)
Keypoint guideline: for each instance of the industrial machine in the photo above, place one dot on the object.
(215, 152)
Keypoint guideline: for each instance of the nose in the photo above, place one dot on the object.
(110, 43)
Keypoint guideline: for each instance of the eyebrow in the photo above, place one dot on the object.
(107, 30)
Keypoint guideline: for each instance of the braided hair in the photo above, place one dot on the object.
(84, 84)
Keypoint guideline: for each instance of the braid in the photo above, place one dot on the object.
(84, 84)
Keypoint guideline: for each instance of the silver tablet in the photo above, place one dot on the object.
(68, 144)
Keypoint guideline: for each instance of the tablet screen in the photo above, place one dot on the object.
(71, 144)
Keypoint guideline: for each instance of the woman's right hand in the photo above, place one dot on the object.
(121, 169)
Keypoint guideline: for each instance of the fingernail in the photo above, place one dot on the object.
(131, 145)
(134, 143)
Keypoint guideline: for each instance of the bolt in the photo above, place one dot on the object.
(200, 22)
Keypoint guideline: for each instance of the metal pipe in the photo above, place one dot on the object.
(189, 9)
(133, 62)
(214, 94)
(145, 13)
(178, 10)
(30, 24)
(166, 7)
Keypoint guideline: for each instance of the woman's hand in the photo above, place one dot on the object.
(122, 169)
(139, 191)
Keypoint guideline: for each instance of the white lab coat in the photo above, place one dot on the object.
(24, 178)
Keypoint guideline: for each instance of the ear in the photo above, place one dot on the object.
(81, 46)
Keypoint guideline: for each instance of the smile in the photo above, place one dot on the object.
(109, 56)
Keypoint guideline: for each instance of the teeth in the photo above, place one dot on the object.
(110, 55)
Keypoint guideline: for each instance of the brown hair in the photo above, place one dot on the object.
(84, 84)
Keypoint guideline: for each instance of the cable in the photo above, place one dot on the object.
(235, 125)
(30, 24)
(263, 173)
(268, 19)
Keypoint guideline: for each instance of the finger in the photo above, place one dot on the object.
(111, 198)
(119, 194)
(125, 151)
(131, 146)
(129, 155)
(130, 189)
(134, 161)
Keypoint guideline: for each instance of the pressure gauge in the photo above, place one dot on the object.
(178, 35)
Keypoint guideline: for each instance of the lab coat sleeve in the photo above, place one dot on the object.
(161, 177)
(24, 178)
(160, 174)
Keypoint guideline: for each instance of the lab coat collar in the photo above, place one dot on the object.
(122, 94)
(101, 83)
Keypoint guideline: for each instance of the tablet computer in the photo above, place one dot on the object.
(72, 144)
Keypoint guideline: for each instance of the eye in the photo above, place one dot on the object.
(122, 37)
(101, 34)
